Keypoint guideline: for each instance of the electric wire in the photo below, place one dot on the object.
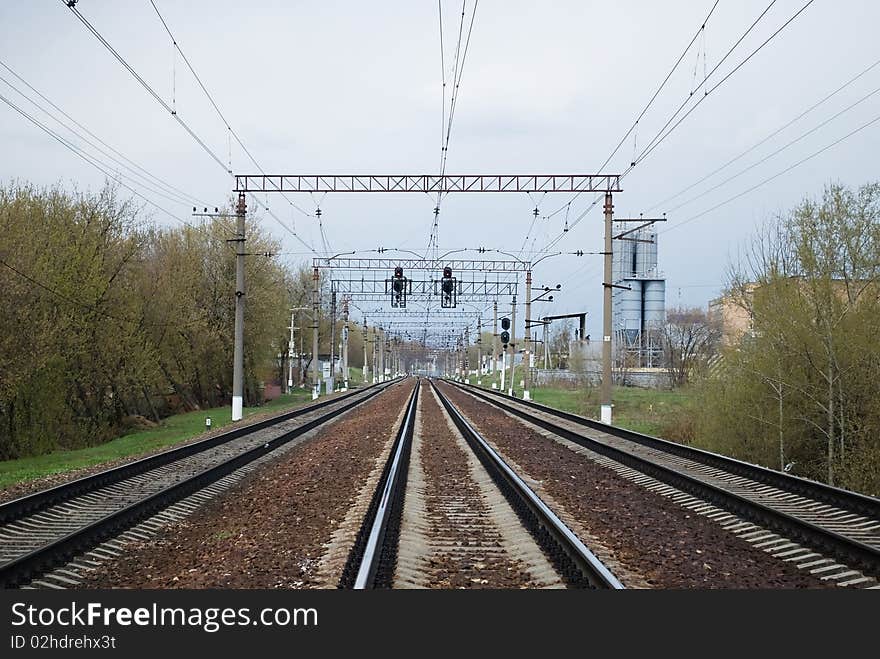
(89, 159)
(176, 199)
(647, 151)
(767, 138)
(776, 152)
(773, 177)
(229, 128)
(134, 166)
(656, 142)
(152, 92)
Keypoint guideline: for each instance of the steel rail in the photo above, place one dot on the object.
(862, 504)
(38, 561)
(376, 543)
(32, 503)
(849, 550)
(597, 575)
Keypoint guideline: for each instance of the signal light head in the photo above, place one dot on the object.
(398, 271)
(505, 323)
(447, 271)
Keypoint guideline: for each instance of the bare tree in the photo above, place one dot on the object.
(690, 338)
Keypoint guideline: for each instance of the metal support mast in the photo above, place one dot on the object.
(238, 350)
(366, 372)
(606, 314)
(316, 373)
(512, 344)
(331, 384)
(527, 363)
(345, 343)
(494, 338)
(480, 350)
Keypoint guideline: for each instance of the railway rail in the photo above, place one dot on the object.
(371, 562)
(46, 529)
(808, 515)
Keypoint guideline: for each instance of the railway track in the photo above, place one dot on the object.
(42, 532)
(372, 561)
(832, 533)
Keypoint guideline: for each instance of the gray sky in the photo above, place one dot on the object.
(547, 87)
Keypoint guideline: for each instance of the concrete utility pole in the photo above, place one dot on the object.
(606, 315)
(290, 353)
(495, 339)
(366, 364)
(546, 365)
(380, 339)
(331, 384)
(316, 372)
(512, 344)
(479, 350)
(527, 366)
(345, 343)
(294, 326)
(238, 350)
(374, 361)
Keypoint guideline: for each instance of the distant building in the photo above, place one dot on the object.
(732, 315)
(639, 298)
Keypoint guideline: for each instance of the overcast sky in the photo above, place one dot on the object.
(547, 87)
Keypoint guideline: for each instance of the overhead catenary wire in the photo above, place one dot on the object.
(134, 166)
(766, 139)
(777, 151)
(458, 70)
(89, 159)
(152, 92)
(648, 105)
(144, 83)
(177, 199)
(216, 107)
(661, 136)
(647, 151)
(773, 177)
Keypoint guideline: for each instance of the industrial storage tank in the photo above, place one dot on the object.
(646, 259)
(655, 302)
(628, 310)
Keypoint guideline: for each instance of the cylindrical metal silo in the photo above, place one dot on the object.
(629, 310)
(655, 302)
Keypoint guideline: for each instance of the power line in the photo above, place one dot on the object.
(645, 153)
(85, 305)
(458, 71)
(650, 102)
(775, 176)
(215, 106)
(190, 199)
(768, 138)
(173, 113)
(567, 206)
(88, 158)
(176, 199)
(661, 135)
(152, 92)
(776, 152)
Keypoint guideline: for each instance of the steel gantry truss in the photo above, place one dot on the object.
(439, 184)
(426, 264)
(429, 183)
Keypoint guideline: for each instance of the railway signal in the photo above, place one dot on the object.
(448, 289)
(400, 286)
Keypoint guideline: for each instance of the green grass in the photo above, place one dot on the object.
(649, 411)
(172, 430)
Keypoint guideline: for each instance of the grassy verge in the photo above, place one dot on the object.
(172, 430)
(651, 411)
